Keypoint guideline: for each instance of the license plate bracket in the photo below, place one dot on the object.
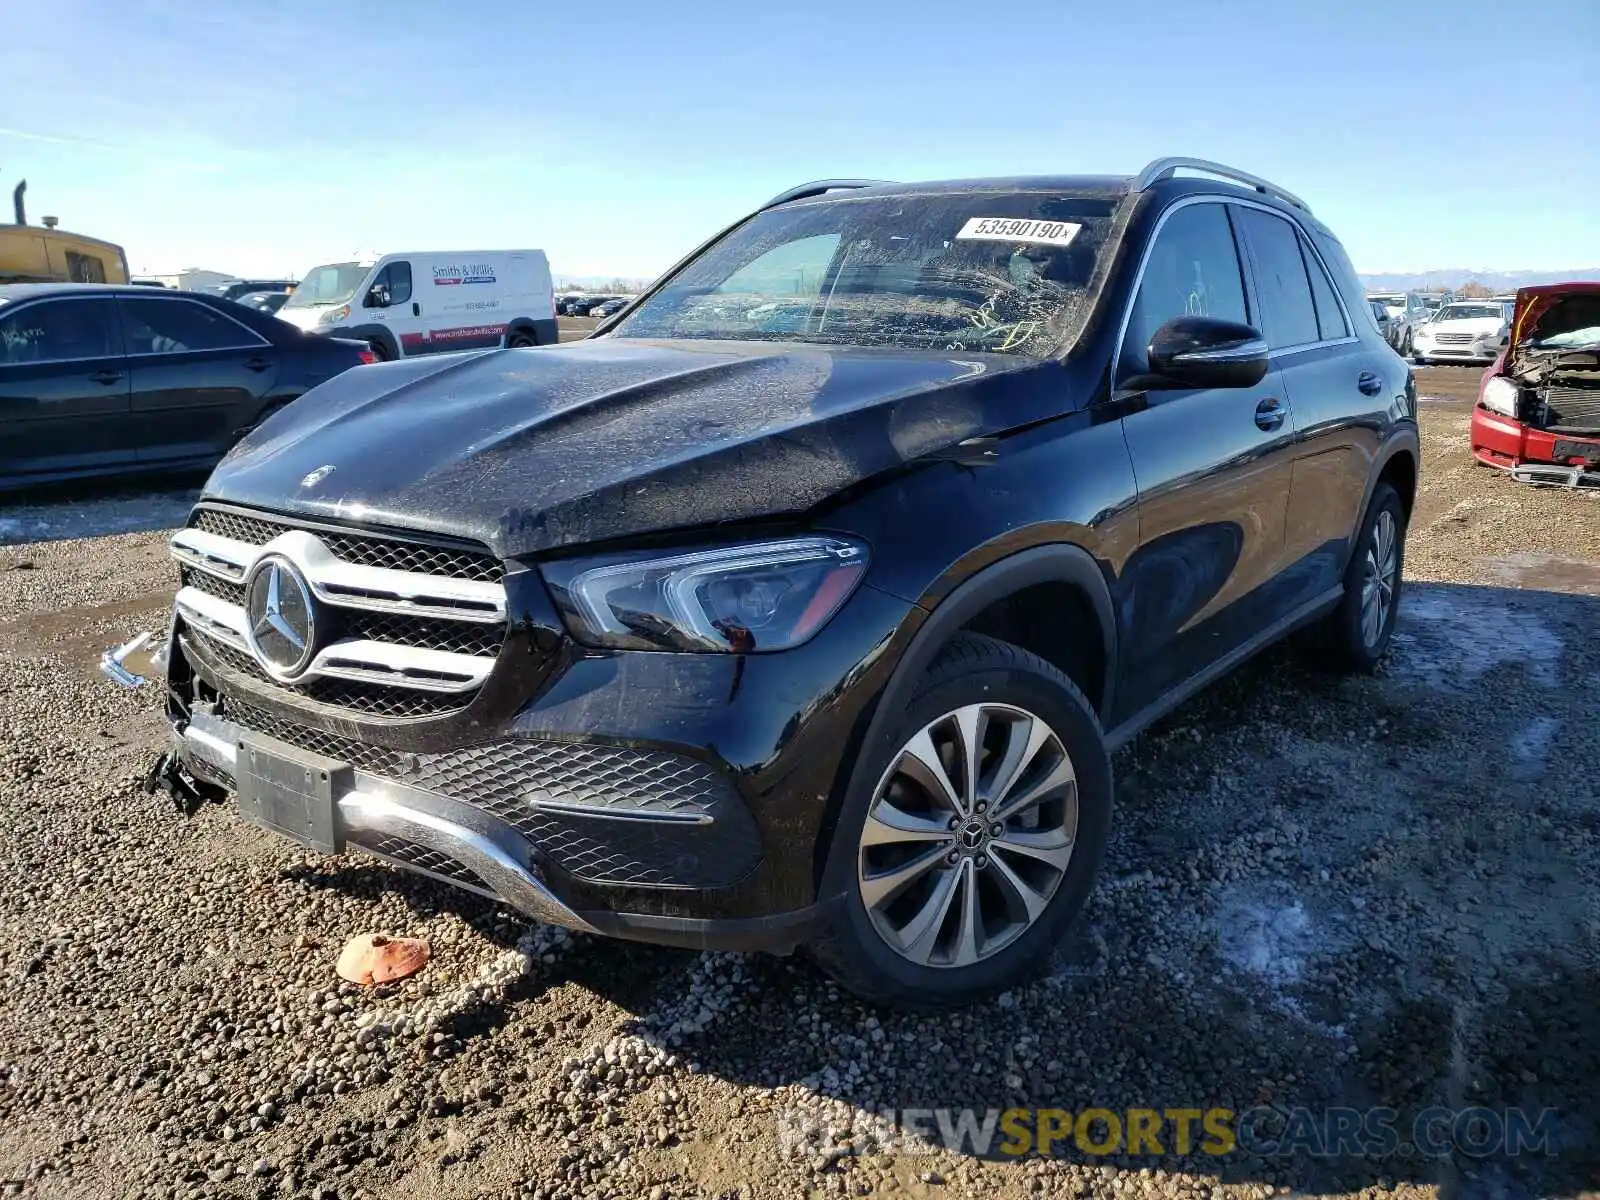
(292, 792)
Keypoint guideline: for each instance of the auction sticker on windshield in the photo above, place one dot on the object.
(1011, 229)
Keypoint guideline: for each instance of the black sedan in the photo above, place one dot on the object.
(102, 380)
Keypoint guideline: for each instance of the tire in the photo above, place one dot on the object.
(1405, 342)
(380, 350)
(1014, 695)
(520, 339)
(1347, 639)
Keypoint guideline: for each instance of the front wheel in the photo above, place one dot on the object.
(972, 840)
(380, 349)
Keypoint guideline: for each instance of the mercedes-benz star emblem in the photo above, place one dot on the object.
(281, 620)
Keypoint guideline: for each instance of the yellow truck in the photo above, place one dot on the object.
(45, 254)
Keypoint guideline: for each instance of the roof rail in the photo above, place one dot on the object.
(1165, 168)
(818, 188)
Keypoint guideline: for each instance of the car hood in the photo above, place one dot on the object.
(303, 317)
(1552, 310)
(1464, 325)
(526, 450)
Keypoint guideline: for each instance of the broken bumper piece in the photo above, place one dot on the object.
(1551, 475)
(113, 663)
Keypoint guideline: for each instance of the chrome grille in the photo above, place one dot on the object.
(1453, 339)
(409, 629)
(372, 699)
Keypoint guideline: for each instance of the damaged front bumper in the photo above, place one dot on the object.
(1535, 455)
(325, 806)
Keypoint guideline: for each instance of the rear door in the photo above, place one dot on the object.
(198, 375)
(1337, 384)
(63, 387)
(1213, 468)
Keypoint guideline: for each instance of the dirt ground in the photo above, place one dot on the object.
(1369, 894)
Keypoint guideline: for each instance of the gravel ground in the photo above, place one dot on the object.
(1320, 893)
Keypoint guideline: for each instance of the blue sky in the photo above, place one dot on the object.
(268, 136)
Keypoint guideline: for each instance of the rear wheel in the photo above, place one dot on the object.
(974, 839)
(1356, 635)
(520, 339)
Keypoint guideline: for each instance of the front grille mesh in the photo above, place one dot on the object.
(423, 858)
(367, 551)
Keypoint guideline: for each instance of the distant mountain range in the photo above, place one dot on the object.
(1450, 278)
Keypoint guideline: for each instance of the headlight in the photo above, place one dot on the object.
(334, 315)
(759, 596)
(1500, 395)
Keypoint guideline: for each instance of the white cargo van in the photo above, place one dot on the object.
(409, 304)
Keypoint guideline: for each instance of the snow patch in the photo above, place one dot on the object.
(1268, 941)
(123, 512)
(1450, 637)
(1531, 747)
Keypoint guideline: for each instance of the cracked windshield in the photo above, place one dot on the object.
(1002, 272)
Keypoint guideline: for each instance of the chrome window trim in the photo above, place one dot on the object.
(10, 310)
(229, 317)
(1144, 261)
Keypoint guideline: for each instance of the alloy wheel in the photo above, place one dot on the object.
(1378, 578)
(969, 835)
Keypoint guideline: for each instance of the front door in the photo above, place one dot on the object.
(1213, 469)
(391, 303)
(63, 388)
(198, 376)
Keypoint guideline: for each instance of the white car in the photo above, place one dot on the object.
(426, 303)
(1461, 331)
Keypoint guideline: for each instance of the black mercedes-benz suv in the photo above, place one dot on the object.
(804, 602)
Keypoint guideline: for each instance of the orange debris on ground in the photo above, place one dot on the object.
(377, 958)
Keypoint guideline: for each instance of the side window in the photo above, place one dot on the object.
(1287, 310)
(85, 268)
(59, 331)
(180, 326)
(1330, 319)
(1192, 270)
(396, 279)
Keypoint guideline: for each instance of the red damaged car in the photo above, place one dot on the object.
(1538, 410)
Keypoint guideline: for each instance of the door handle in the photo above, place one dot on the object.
(106, 377)
(257, 364)
(416, 309)
(1269, 414)
(1369, 383)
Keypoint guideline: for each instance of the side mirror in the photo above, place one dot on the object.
(1205, 352)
